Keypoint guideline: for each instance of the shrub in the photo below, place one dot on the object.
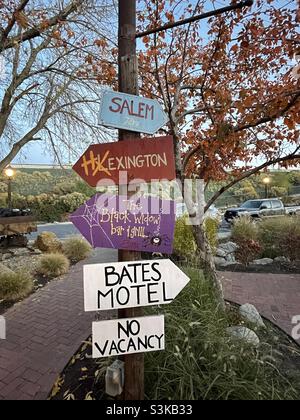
(48, 242)
(290, 245)
(15, 286)
(184, 242)
(291, 201)
(211, 226)
(76, 249)
(71, 202)
(246, 191)
(244, 228)
(248, 250)
(53, 265)
(3, 200)
(278, 191)
(49, 207)
(281, 237)
(5, 269)
(201, 362)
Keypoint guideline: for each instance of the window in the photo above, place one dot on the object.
(276, 204)
(266, 205)
(252, 204)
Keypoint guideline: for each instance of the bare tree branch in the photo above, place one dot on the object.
(34, 32)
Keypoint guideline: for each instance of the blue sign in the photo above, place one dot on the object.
(132, 113)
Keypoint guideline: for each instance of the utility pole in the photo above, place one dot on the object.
(128, 83)
(9, 193)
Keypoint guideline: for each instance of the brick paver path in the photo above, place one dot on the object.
(276, 296)
(43, 332)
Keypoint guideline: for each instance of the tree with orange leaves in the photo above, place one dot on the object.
(227, 85)
(228, 88)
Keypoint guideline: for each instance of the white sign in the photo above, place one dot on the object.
(128, 336)
(131, 284)
(130, 112)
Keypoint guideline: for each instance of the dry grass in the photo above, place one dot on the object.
(15, 286)
(53, 265)
(76, 249)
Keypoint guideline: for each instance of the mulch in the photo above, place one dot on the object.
(84, 377)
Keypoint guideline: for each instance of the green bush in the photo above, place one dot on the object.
(281, 237)
(278, 191)
(27, 182)
(15, 286)
(50, 207)
(246, 191)
(245, 235)
(211, 226)
(3, 200)
(248, 250)
(53, 265)
(294, 178)
(184, 242)
(201, 362)
(76, 249)
(244, 228)
(291, 201)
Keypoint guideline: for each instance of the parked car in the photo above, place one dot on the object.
(271, 207)
(5, 212)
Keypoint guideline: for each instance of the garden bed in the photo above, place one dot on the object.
(84, 377)
(21, 259)
(39, 283)
(200, 360)
(26, 270)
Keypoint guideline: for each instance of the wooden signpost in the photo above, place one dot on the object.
(132, 284)
(143, 159)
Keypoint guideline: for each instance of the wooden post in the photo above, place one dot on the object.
(9, 193)
(128, 83)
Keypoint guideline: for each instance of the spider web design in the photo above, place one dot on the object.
(90, 214)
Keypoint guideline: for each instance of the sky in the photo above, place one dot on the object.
(35, 153)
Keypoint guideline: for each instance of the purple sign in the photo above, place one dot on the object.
(134, 224)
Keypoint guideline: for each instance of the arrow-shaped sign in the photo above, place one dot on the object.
(137, 224)
(133, 113)
(128, 336)
(131, 284)
(147, 160)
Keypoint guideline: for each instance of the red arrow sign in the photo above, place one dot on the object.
(145, 159)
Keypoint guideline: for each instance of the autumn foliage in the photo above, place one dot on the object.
(226, 83)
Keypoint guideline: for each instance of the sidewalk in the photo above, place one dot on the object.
(276, 296)
(43, 332)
